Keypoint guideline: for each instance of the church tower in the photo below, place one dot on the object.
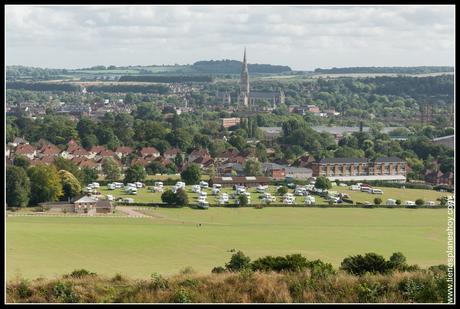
(244, 82)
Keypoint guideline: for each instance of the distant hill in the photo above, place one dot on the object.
(234, 67)
(390, 70)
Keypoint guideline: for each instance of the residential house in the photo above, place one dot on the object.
(226, 155)
(49, 150)
(26, 150)
(123, 151)
(197, 153)
(171, 153)
(273, 170)
(230, 169)
(439, 178)
(18, 141)
(149, 151)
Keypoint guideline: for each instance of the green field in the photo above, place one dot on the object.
(170, 239)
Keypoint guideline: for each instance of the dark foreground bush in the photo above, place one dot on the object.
(375, 264)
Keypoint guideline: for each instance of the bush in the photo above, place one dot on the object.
(64, 292)
(23, 289)
(243, 199)
(377, 201)
(282, 191)
(181, 296)
(218, 270)
(238, 262)
(81, 273)
(398, 202)
(369, 263)
(419, 202)
(157, 282)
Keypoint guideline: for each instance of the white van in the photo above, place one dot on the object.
(409, 203)
(111, 186)
(180, 184)
(196, 188)
(217, 186)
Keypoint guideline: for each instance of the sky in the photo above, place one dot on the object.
(302, 37)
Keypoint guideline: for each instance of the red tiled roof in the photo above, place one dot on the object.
(172, 151)
(124, 150)
(48, 159)
(140, 161)
(25, 149)
(50, 149)
(87, 163)
(106, 153)
(149, 151)
(97, 149)
(80, 152)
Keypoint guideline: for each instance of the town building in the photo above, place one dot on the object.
(230, 122)
(361, 169)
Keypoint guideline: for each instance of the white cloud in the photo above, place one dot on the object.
(303, 37)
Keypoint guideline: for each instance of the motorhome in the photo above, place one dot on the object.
(430, 203)
(240, 190)
(180, 184)
(355, 188)
(261, 189)
(111, 186)
(366, 189)
(217, 186)
(204, 184)
(215, 191)
(196, 188)
(391, 202)
(310, 200)
(203, 205)
(109, 197)
(409, 203)
(377, 191)
(95, 185)
(158, 184)
(139, 184)
(202, 193)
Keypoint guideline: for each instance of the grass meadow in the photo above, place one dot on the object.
(170, 239)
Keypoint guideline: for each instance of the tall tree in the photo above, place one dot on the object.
(17, 187)
(70, 184)
(110, 169)
(135, 173)
(191, 175)
(45, 184)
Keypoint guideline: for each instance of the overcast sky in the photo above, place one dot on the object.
(303, 37)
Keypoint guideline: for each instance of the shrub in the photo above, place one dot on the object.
(243, 199)
(377, 201)
(419, 202)
(282, 191)
(369, 263)
(238, 262)
(397, 261)
(23, 289)
(187, 271)
(218, 270)
(398, 202)
(189, 282)
(181, 296)
(64, 292)
(81, 273)
(157, 282)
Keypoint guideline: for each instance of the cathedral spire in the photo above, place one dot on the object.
(244, 81)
